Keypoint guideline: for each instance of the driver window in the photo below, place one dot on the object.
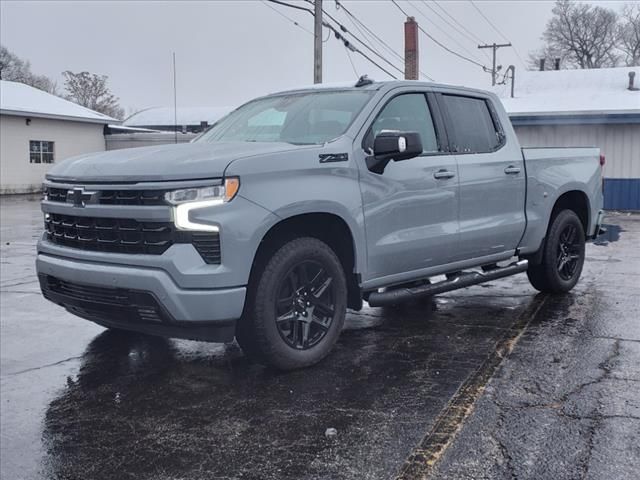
(406, 113)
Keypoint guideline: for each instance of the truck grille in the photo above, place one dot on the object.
(109, 234)
(127, 236)
(55, 194)
(116, 234)
(112, 197)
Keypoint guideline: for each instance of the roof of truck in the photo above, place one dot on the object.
(375, 85)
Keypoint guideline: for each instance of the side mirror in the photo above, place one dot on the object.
(394, 146)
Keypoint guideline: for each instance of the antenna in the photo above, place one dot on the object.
(175, 101)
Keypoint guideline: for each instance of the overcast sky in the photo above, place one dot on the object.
(230, 51)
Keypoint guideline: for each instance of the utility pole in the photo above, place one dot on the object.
(494, 47)
(317, 42)
(175, 101)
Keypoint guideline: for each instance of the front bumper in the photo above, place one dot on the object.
(141, 299)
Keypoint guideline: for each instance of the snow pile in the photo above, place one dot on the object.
(567, 92)
(20, 99)
(163, 116)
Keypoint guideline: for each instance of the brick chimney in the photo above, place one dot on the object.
(411, 67)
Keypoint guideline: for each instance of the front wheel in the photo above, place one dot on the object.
(296, 306)
(563, 255)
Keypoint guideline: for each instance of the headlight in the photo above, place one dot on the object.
(188, 199)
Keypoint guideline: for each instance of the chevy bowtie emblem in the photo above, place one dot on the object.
(79, 197)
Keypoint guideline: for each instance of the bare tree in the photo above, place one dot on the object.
(91, 91)
(14, 69)
(629, 34)
(549, 55)
(587, 35)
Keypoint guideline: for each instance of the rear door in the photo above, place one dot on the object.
(492, 177)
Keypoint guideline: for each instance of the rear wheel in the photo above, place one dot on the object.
(563, 255)
(295, 307)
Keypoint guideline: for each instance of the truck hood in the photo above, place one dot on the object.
(187, 161)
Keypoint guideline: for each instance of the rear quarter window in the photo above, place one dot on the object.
(472, 126)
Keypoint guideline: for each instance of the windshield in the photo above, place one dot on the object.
(301, 118)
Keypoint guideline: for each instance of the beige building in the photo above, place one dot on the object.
(38, 129)
(584, 108)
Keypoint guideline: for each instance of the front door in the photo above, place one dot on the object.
(411, 209)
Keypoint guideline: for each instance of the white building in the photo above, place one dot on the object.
(38, 129)
(187, 120)
(599, 107)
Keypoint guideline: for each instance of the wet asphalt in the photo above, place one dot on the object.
(495, 381)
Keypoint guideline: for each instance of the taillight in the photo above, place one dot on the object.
(603, 160)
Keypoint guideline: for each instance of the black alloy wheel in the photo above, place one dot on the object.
(568, 252)
(563, 253)
(305, 305)
(296, 305)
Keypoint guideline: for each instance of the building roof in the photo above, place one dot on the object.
(572, 93)
(23, 100)
(164, 116)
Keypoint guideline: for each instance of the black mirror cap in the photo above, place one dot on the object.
(397, 145)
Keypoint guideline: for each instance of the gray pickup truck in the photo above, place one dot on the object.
(301, 204)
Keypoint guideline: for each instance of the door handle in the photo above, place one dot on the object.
(512, 170)
(443, 174)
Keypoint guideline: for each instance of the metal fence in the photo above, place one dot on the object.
(117, 141)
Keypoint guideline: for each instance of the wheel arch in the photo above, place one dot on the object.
(575, 200)
(330, 228)
(578, 202)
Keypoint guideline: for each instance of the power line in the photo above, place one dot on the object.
(424, 15)
(357, 23)
(489, 21)
(498, 31)
(437, 42)
(353, 48)
(337, 34)
(494, 47)
(287, 17)
(351, 61)
(279, 2)
(465, 32)
(474, 38)
(364, 44)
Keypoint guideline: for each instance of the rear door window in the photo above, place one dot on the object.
(472, 128)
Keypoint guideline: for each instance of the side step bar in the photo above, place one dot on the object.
(465, 279)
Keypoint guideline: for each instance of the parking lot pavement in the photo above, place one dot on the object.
(566, 403)
(80, 402)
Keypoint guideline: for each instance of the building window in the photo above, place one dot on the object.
(40, 151)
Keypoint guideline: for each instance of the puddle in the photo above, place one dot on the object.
(612, 235)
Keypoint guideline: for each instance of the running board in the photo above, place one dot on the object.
(464, 279)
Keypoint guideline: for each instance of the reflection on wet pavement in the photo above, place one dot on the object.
(79, 402)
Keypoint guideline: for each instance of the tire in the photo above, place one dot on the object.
(562, 257)
(295, 306)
